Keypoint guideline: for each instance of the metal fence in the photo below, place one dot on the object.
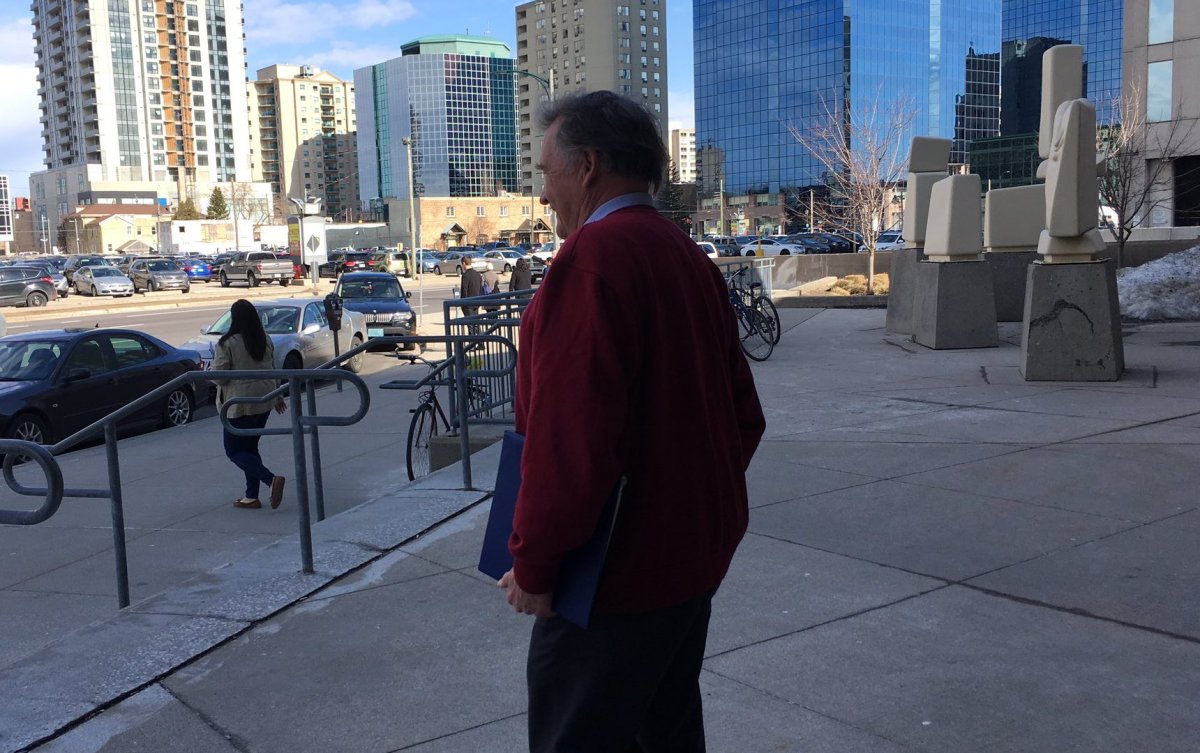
(497, 316)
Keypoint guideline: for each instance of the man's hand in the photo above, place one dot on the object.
(537, 605)
(280, 407)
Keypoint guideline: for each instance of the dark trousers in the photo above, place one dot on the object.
(626, 684)
(243, 451)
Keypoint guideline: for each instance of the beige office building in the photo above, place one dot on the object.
(617, 45)
(683, 153)
(302, 134)
(1161, 63)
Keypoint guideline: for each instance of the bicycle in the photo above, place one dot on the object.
(755, 298)
(424, 425)
(757, 329)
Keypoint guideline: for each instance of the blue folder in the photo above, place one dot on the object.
(580, 571)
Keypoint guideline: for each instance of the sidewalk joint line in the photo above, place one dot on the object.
(238, 744)
(457, 732)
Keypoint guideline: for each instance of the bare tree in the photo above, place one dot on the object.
(1139, 156)
(246, 206)
(863, 154)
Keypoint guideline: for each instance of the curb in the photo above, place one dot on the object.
(832, 302)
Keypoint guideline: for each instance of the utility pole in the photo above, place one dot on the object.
(45, 223)
(413, 228)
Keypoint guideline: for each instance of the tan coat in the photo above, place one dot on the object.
(233, 356)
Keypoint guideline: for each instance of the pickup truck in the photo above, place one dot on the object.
(254, 267)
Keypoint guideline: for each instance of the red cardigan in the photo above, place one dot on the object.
(629, 364)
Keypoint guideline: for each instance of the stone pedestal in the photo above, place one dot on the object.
(1009, 275)
(955, 305)
(1072, 324)
(902, 291)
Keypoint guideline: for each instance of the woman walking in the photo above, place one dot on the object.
(246, 347)
(522, 276)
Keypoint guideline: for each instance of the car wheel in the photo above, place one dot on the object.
(30, 428)
(178, 408)
(437, 271)
(224, 280)
(36, 299)
(252, 279)
(151, 286)
(785, 252)
(355, 364)
(187, 288)
(285, 282)
(458, 270)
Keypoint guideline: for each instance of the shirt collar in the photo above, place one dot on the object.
(620, 202)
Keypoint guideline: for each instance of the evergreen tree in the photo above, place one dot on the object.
(217, 208)
(187, 211)
(672, 202)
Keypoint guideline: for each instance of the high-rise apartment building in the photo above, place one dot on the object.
(302, 135)
(141, 100)
(766, 67)
(6, 213)
(1159, 67)
(454, 97)
(618, 45)
(683, 153)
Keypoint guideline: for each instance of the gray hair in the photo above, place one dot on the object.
(622, 132)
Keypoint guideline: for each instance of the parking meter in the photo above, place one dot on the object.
(333, 311)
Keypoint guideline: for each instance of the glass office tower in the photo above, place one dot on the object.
(1030, 27)
(456, 98)
(764, 67)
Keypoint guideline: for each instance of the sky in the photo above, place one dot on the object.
(336, 35)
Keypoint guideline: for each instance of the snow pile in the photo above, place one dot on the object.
(1168, 288)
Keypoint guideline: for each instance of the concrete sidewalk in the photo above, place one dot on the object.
(941, 557)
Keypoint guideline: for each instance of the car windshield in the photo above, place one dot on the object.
(277, 320)
(105, 272)
(162, 266)
(28, 359)
(370, 288)
(888, 237)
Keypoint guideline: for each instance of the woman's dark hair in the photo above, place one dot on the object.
(244, 321)
(622, 132)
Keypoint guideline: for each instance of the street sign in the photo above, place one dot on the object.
(314, 250)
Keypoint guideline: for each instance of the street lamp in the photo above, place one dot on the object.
(547, 87)
(414, 234)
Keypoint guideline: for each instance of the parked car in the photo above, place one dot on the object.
(452, 263)
(340, 262)
(725, 245)
(25, 286)
(299, 330)
(102, 280)
(381, 299)
(889, 240)
(709, 248)
(545, 252)
(59, 381)
(61, 286)
(75, 261)
(253, 267)
(772, 247)
(196, 268)
(428, 259)
(503, 259)
(812, 243)
(390, 260)
(158, 274)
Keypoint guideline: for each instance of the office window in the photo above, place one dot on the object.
(449, 211)
(1158, 91)
(1162, 21)
(480, 212)
(503, 211)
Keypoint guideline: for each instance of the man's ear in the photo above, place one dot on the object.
(589, 168)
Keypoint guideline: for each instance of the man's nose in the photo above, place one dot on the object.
(543, 200)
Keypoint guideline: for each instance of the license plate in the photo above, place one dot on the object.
(374, 331)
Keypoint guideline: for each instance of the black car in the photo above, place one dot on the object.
(54, 383)
(379, 297)
(26, 286)
(75, 261)
(340, 263)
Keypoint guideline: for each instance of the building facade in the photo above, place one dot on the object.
(140, 100)
(1161, 40)
(302, 135)
(455, 99)
(7, 235)
(767, 70)
(577, 45)
(683, 153)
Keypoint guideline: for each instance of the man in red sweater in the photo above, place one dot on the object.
(629, 365)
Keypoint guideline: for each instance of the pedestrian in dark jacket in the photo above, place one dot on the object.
(522, 276)
(470, 285)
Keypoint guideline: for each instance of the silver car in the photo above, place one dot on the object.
(298, 330)
(102, 280)
(158, 274)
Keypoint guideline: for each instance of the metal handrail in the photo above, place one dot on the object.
(54, 491)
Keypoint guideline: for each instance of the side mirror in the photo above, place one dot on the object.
(76, 375)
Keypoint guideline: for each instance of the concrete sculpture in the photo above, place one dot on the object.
(1071, 324)
(955, 304)
(1013, 221)
(927, 164)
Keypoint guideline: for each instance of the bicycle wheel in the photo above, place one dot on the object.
(757, 338)
(420, 432)
(768, 308)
